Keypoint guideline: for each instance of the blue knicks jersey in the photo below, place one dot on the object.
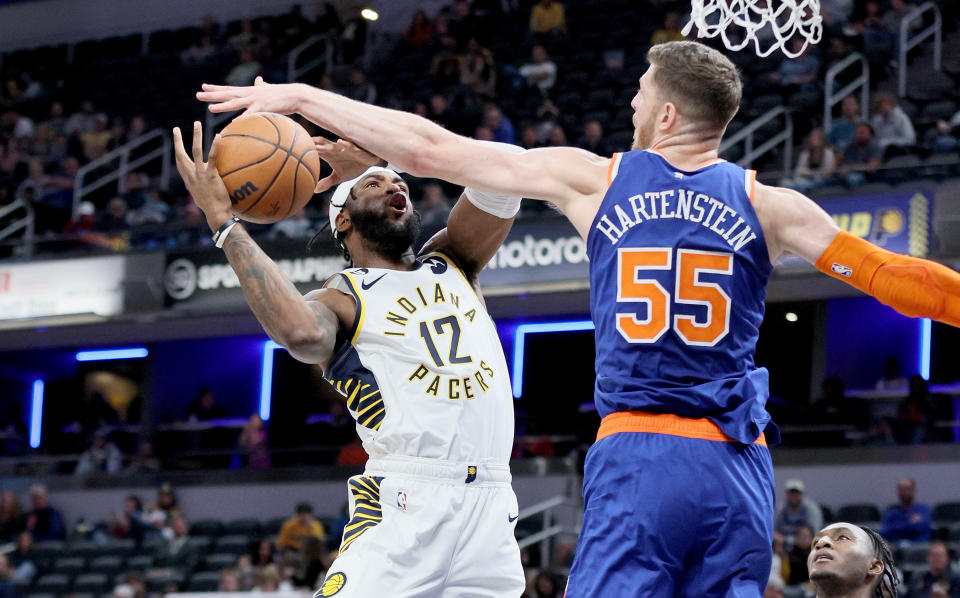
(678, 275)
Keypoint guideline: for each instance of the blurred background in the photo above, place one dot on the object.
(154, 440)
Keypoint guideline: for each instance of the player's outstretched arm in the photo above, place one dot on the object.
(914, 287)
(308, 329)
(560, 175)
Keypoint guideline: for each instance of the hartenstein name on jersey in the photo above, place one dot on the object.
(436, 384)
(688, 205)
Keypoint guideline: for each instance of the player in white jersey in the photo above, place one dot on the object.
(407, 340)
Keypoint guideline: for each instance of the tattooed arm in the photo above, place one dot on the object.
(306, 326)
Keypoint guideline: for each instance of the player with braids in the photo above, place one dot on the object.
(849, 561)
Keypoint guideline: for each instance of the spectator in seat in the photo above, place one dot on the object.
(205, 407)
(177, 553)
(860, 157)
(83, 121)
(529, 139)
(103, 456)
(938, 573)
(11, 519)
(420, 30)
(814, 164)
(253, 443)
(891, 124)
(327, 20)
(797, 511)
(229, 581)
(798, 555)
(6, 586)
(359, 88)
(780, 570)
(548, 19)
(246, 71)
(434, 210)
(114, 218)
(296, 226)
(592, 139)
(797, 74)
(843, 130)
(295, 529)
(892, 379)
(498, 122)
(540, 72)
(477, 70)
(670, 32)
(910, 520)
(262, 555)
(557, 137)
(943, 138)
(914, 413)
(44, 522)
(22, 561)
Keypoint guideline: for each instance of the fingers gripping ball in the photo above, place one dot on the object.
(269, 165)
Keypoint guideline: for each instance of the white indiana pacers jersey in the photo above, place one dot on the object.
(423, 371)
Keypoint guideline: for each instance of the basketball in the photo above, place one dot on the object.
(269, 165)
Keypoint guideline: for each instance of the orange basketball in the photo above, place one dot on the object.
(269, 165)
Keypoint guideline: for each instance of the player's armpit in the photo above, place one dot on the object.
(914, 287)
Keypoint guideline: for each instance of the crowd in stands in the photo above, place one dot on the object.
(150, 549)
(147, 550)
(511, 77)
(927, 545)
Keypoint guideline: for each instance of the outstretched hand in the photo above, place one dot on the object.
(346, 159)
(201, 178)
(259, 97)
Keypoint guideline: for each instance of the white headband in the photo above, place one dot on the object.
(342, 193)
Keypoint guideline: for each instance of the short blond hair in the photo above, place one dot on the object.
(703, 83)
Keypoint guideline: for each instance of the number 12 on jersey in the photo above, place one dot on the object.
(632, 287)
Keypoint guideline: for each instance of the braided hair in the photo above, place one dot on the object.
(887, 585)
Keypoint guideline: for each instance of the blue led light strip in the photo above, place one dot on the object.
(518, 346)
(924, 348)
(104, 355)
(266, 379)
(36, 414)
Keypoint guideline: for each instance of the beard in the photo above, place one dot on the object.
(643, 135)
(389, 239)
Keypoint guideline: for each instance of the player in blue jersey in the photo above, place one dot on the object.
(678, 489)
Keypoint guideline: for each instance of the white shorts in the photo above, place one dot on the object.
(428, 528)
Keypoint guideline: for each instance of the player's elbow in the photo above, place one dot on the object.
(307, 345)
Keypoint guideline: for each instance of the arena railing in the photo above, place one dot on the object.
(23, 225)
(164, 153)
(831, 98)
(908, 42)
(550, 527)
(745, 136)
(295, 70)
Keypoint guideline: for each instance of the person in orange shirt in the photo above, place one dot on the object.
(299, 526)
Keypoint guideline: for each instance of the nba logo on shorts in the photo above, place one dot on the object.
(842, 270)
(471, 474)
(402, 500)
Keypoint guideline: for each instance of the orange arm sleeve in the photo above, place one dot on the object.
(914, 287)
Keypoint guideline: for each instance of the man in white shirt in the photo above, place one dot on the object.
(540, 71)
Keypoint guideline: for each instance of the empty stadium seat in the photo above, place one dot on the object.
(827, 516)
(946, 512)
(220, 560)
(85, 549)
(54, 583)
(69, 565)
(109, 564)
(272, 526)
(202, 543)
(235, 544)
(915, 554)
(207, 527)
(204, 581)
(247, 527)
(49, 550)
(95, 583)
(121, 547)
(157, 582)
(858, 513)
(140, 562)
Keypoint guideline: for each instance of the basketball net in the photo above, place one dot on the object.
(738, 22)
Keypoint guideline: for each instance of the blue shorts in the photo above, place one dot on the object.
(668, 516)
